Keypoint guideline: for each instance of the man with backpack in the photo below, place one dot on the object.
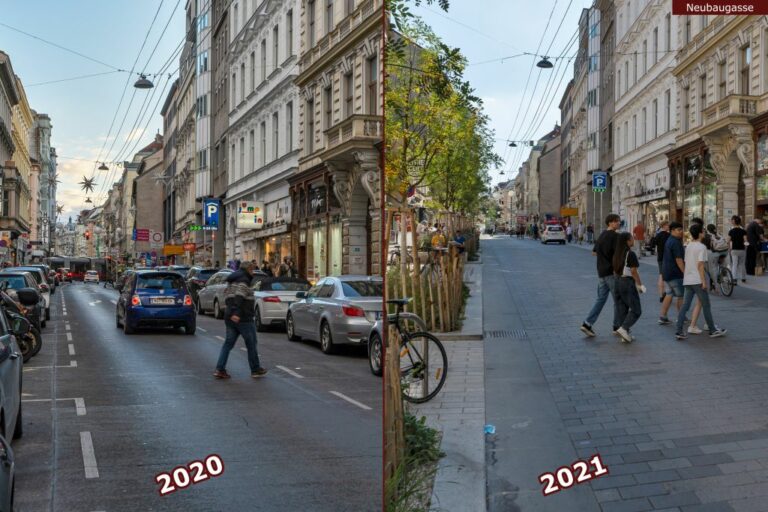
(239, 320)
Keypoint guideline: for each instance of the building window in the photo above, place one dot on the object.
(236, 19)
(626, 75)
(232, 161)
(655, 44)
(202, 62)
(626, 137)
(645, 57)
(686, 108)
(275, 136)
(702, 97)
(348, 94)
(372, 88)
(241, 171)
(275, 46)
(687, 29)
(704, 22)
(328, 15)
(634, 131)
(289, 34)
(310, 126)
(311, 22)
(610, 135)
(634, 68)
(253, 71)
(618, 83)
(668, 110)
(289, 127)
(643, 127)
(252, 152)
(263, 59)
(350, 6)
(746, 60)
(328, 104)
(722, 73)
(655, 118)
(668, 32)
(242, 81)
(263, 144)
(234, 89)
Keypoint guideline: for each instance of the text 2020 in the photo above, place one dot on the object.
(194, 472)
(568, 476)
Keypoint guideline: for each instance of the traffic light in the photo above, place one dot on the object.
(87, 235)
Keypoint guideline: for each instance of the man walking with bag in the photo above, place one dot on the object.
(239, 320)
(606, 281)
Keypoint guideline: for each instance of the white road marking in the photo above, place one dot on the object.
(113, 301)
(66, 326)
(72, 364)
(219, 338)
(94, 303)
(201, 329)
(244, 349)
(89, 456)
(69, 336)
(351, 400)
(290, 372)
(79, 403)
(71, 349)
(64, 313)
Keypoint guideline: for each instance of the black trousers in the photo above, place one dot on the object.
(751, 261)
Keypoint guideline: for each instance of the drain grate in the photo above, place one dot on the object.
(518, 334)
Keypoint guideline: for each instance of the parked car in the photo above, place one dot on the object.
(155, 299)
(91, 276)
(42, 285)
(11, 374)
(273, 297)
(211, 296)
(553, 233)
(196, 279)
(7, 475)
(181, 269)
(336, 310)
(49, 276)
(65, 276)
(19, 280)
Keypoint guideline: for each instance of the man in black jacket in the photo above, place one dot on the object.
(239, 320)
(755, 235)
(604, 248)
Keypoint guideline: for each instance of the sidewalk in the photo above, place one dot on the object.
(459, 411)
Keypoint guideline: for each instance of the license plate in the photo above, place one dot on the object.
(168, 301)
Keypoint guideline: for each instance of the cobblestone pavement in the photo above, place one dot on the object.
(682, 426)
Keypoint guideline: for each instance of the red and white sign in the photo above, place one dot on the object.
(142, 235)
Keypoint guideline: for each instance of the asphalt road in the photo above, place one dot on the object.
(681, 425)
(104, 413)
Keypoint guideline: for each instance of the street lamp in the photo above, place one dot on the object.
(143, 83)
(103, 167)
(544, 63)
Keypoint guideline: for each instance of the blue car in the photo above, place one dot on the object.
(153, 298)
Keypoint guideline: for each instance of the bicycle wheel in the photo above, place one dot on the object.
(725, 281)
(423, 367)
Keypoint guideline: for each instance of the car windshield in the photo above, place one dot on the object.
(362, 288)
(159, 282)
(280, 285)
(207, 273)
(35, 273)
(14, 282)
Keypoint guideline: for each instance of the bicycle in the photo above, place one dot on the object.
(423, 361)
(394, 257)
(724, 277)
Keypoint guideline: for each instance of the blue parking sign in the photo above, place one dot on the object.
(599, 181)
(211, 208)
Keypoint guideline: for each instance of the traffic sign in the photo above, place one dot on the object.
(599, 181)
(211, 213)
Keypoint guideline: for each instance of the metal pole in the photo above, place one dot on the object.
(601, 205)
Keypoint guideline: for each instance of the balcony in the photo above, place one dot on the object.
(731, 109)
(354, 128)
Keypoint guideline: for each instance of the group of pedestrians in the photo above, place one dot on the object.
(682, 275)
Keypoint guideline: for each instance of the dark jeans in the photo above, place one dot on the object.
(701, 293)
(751, 262)
(248, 331)
(605, 286)
(628, 303)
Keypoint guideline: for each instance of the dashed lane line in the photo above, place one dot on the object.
(71, 349)
(202, 330)
(219, 338)
(66, 326)
(79, 403)
(351, 400)
(290, 372)
(89, 456)
(69, 336)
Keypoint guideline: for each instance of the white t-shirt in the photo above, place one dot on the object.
(694, 253)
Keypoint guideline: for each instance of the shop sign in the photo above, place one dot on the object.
(569, 212)
(190, 247)
(250, 215)
(211, 209)
(173, 250)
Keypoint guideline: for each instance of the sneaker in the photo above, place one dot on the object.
(587, 329)
(692, 329)
(663, 320)
(624, 334)
(717, 333)
(259, 373)
(221, 374)
(681, 336)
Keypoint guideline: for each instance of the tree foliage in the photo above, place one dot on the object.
(437, 135)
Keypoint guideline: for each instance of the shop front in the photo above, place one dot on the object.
(760, 124)
(694, 187)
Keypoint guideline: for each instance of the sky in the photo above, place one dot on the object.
(490, 30)
(82, 110)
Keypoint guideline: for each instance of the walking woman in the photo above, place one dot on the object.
(737, 238)
(628, 286)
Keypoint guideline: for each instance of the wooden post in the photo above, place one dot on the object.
(394, 417)
(403, 253)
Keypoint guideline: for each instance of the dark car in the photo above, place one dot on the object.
(155, 299)
(64, 275)
(196, 279)
(19, 280)
(11, 374)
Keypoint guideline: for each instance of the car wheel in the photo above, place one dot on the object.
(260, 327)
(290, 328)
(199, 307)
(326, 340)
(217, 312)
(374, 354)
(127, 329)
(190, 329)
(18, 430)
(117, 320)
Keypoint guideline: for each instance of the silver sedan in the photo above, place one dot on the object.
(211, 296)
(336, 311)
(273, 296)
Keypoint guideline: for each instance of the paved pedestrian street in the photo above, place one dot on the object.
(680, 425)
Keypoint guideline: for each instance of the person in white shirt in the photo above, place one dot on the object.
(695, 284)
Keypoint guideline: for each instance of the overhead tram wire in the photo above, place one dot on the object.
(125, 88)
(81, 77)
(567, 8)
(162, 33)
(527, 81)
(468, 27)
